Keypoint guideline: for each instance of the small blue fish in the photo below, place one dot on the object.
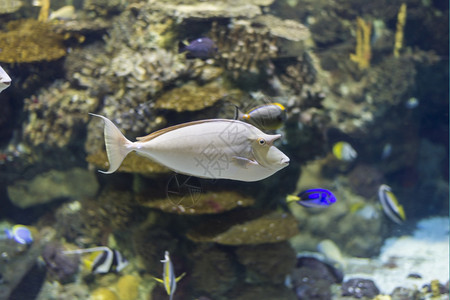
(313, 198)
(20, 233)
(202, 48)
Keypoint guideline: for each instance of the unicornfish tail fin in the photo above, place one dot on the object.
(117, 145)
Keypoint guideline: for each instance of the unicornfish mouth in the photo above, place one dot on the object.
(285, 161)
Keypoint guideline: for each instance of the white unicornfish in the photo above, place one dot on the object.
(169, 280)
(217, 148)
(108, 260)
(5, 80)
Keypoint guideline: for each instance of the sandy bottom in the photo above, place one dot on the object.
(425, 253)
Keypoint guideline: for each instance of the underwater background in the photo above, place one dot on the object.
(363, 92)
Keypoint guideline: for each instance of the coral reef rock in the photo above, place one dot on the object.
(56, 115)
(267, 263)
(247, 228)
(52, 185)
(359, 288)
(212, 9)
(191, 97)
(293, 38)
(214, 271)
(197, 203)
(28, 40)
(9, 6)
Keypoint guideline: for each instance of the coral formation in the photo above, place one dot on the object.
(365, 180)
(359, 288)
(89, 221)
(56, 115)
(28, 40)
(213, 10)
(191, 97)
(53, 185)
(214, 271)
(243, 46)
(261, 292)
(363, 48)
(312, 278)
(247, 228)
(267, 263)
(61, 266)
(9, 6)
(128, 287)
(401, 20)
(198, 203)
(102, 293)
(44, 11)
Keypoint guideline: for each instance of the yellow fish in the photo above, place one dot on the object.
(390, 204)
(344, 151)
(169, 280)
(266, 117)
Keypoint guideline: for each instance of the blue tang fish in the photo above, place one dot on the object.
(202, 48)
(20, 233)
(313, 198)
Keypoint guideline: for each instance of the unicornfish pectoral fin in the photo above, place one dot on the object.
(243, 162)
(117, 145)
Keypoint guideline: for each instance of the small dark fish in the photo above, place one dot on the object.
(313, 198)
(202, 48)
(266, 117)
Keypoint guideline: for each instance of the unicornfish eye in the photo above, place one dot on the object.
(261, 141)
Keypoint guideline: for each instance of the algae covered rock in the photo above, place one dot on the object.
(56, 116)
(246, 228)
(192, 97)
(192, 202)
(28, 40)
(51, 185)
(213, 9)
(214, 271)
(268, 263)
